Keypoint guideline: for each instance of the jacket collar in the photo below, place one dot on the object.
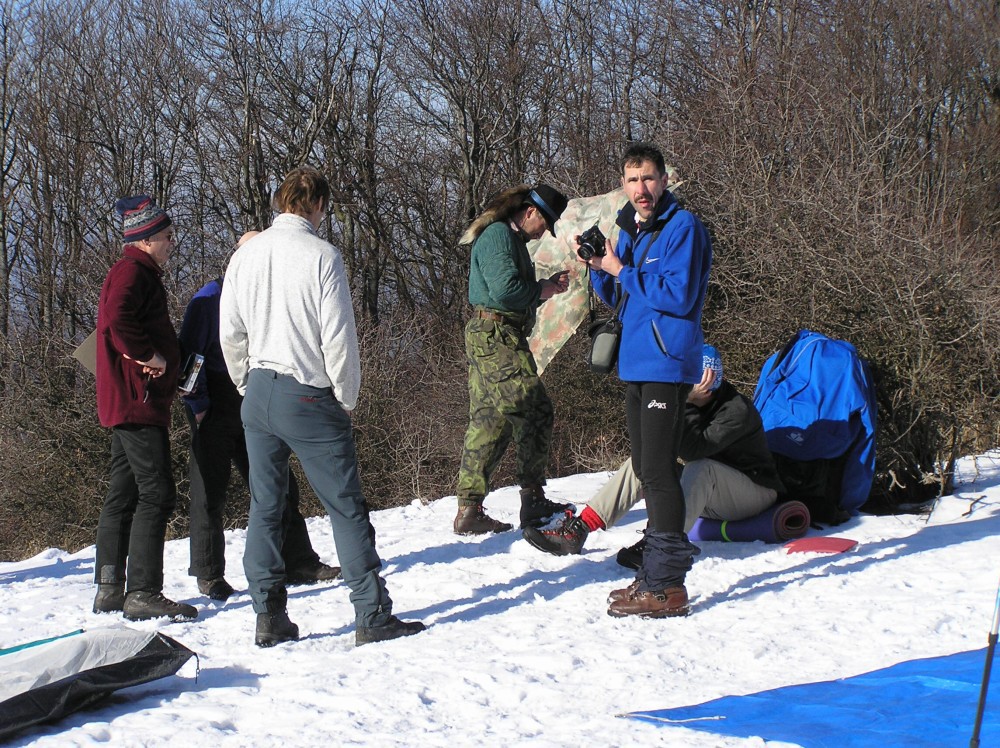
(293, 220)
(134, 253)
(665, 210)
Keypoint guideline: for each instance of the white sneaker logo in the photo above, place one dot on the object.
(656, 404)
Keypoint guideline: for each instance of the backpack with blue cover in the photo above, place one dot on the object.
(816, 397)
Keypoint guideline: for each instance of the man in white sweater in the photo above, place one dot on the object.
(289, 340)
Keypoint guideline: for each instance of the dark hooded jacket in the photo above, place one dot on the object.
(729, 429)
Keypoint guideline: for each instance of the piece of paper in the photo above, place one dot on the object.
(86, 353)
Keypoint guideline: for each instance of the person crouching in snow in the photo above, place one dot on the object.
(729, 473)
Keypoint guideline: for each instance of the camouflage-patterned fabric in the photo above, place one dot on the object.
(506, 401)
(558, 318)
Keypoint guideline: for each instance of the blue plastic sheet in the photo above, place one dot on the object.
(916, 703)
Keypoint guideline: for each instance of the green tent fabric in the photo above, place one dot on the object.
(916, 703)
(45, 680)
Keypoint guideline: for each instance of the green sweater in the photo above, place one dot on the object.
(501, 273)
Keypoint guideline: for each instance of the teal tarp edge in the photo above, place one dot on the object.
(27, 645)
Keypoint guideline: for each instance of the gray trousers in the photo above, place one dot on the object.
(281, 416)
(711, 490)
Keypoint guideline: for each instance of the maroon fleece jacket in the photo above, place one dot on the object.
(133, 320)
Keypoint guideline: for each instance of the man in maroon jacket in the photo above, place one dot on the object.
(138, 363)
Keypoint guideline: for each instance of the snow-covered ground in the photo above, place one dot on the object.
(519, 646)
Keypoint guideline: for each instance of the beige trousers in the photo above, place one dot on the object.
(711, 490)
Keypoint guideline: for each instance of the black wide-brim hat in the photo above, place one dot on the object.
(551, 202)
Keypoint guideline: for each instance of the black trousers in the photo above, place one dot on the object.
(217, 444)
(654, 412)
(133, 521)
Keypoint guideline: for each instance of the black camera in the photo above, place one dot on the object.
(591, 243)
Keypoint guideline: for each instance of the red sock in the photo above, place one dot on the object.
(592, 520)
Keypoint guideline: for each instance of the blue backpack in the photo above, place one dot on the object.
(816, 397)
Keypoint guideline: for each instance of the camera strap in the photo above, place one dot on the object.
(621, 294)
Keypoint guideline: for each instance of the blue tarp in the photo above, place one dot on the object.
(916, 703)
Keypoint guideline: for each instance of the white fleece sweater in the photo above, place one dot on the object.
(286, 306)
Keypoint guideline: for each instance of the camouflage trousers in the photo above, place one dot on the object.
(507, 401)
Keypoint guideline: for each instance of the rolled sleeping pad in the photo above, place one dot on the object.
(781, 522)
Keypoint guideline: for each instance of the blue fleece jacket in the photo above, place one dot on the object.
(667, 261)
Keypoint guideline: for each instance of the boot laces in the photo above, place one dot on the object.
(564, 528)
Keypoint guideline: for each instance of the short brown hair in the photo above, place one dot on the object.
(300, 191)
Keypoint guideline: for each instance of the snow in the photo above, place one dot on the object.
(519, 646)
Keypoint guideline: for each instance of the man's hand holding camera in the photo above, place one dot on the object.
(596, 252)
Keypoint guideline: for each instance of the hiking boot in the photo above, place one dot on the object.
(312, 573)
(143, 605)
(110, 598)
(624, 593)
(566, 538)
(672, 601)
(631, 557)
(391, 629)
(217, 589)
(274, 628)
(472, 520)
(536, 510)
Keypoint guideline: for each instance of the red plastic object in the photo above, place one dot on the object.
(821, 544)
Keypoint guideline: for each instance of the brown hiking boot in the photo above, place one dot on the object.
(672, 601)
(623, 594)
(472, 520)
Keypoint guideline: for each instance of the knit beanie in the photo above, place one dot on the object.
(712, 359)
(141, 217)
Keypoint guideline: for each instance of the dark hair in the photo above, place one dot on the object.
(639, 152)
(301, 190)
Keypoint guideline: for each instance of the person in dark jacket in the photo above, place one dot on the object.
(729, 473)
(662, 260)
(507, 400)
(217, 444)
(138, 361)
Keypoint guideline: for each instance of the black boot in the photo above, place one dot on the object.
(631, 557)
(391, 629)
(566, 538)
(217, 589)
(110, 598)
(536, 510)
(312, 573)
(143, 605)
(472, 520)
(274, 628)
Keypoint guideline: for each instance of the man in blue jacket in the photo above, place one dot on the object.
(662, 262)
